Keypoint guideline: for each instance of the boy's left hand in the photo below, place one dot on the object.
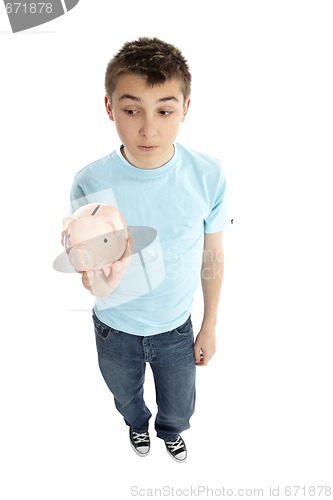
(204, 346)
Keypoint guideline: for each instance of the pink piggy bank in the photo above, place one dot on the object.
(96, 240)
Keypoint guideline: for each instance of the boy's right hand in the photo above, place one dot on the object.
(98, 284)
(101, 283)
(87, 279)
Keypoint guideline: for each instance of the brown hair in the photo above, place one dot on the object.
(152, 58)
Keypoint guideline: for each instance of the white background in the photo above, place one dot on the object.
(261, 102)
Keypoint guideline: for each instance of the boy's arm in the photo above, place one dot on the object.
(211, 281)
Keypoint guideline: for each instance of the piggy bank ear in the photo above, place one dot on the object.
(66, 221)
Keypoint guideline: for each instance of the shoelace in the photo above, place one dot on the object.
(175, 445)
(140, 437)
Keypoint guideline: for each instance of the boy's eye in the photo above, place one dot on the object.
(130, 111)
(163, 112)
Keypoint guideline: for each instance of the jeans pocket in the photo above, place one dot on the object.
(185, 328)
(102, 330)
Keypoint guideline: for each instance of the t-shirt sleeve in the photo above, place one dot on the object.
(219, 217)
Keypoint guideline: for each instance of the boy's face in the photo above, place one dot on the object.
(147, 118)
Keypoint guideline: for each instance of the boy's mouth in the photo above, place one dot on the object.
(147, 148)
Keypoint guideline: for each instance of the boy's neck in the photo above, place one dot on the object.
(147, 165)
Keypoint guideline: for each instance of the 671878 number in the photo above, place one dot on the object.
(308, 491)
(29, 8)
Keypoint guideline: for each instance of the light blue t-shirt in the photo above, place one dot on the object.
(167, 210)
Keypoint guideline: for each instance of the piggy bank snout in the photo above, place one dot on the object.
(82, 257)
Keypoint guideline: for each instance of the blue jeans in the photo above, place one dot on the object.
(122, 359)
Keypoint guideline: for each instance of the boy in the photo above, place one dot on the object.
(181, 194)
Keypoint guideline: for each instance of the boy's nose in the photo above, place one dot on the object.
(148, 129)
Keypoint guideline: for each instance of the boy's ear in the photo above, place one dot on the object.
(186, 106)
(108, 107)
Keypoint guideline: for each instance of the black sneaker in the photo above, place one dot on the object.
(140, 442)
(177, 449)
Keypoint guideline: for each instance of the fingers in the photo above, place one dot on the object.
(127, 256)
(63, 233)
(199, 356)
(202, 357)
(87, 279)
(200, 360)
(115, 274)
